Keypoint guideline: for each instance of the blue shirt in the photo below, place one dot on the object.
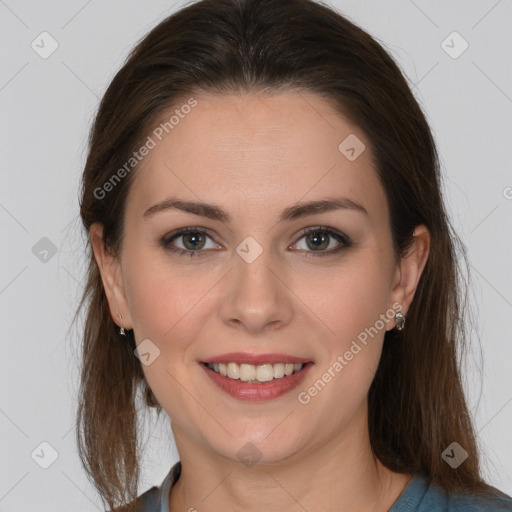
(417, 496)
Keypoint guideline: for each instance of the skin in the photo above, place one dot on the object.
(254, 156)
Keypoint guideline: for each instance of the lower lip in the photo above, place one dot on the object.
(257, 392)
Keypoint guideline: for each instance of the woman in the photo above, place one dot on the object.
(271, 264)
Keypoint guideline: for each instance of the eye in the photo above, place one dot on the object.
(319, 238)
(193, 241)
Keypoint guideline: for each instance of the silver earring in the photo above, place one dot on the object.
(400, 321)
(121, 329)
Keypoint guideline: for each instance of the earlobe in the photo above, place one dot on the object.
(111, 276)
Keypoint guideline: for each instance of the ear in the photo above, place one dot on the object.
(112, 278)
(410, 268)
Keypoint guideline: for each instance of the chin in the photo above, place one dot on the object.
(258, 447)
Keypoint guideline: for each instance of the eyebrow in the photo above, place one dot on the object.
(297, 211)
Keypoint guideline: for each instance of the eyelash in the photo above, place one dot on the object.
(339, 237)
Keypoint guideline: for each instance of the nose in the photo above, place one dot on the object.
(257, 298)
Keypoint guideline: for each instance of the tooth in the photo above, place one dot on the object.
(233, 371)
(278, 370)
(265, 372)
(251, 373)
(288, 369)
(247, 372)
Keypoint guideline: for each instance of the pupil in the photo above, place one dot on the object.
(195, 237)
(318, 237)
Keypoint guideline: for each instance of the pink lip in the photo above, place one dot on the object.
(256, 359)
(257, 392)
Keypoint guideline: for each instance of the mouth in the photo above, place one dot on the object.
(256, 383)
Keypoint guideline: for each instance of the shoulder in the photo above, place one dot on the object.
(420, 496)
(439, 501)
(155, 499)
(497, 504)
(149, 501)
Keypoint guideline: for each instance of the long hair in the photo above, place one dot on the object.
(417, 406)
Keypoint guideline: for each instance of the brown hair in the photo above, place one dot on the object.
(417, 406)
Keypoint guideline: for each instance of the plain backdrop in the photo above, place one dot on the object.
(47, 106)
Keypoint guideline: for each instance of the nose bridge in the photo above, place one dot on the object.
(253, 269)
(257, 295)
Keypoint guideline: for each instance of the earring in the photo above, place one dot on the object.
(400, 321)
(121, 329)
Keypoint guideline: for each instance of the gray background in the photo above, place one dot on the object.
(47, 106)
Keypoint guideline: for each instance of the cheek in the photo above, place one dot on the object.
(347, 305)
(167, 301)
(153, 303)
(349, 299)
(167, 305)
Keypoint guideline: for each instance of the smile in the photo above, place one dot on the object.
(256, 383)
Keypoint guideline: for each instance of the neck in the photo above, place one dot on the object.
(342, 474)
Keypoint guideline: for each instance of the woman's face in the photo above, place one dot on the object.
(257, 283)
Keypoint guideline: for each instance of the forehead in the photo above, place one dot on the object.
(256, 151)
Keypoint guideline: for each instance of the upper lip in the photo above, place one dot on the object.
(255, 359)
